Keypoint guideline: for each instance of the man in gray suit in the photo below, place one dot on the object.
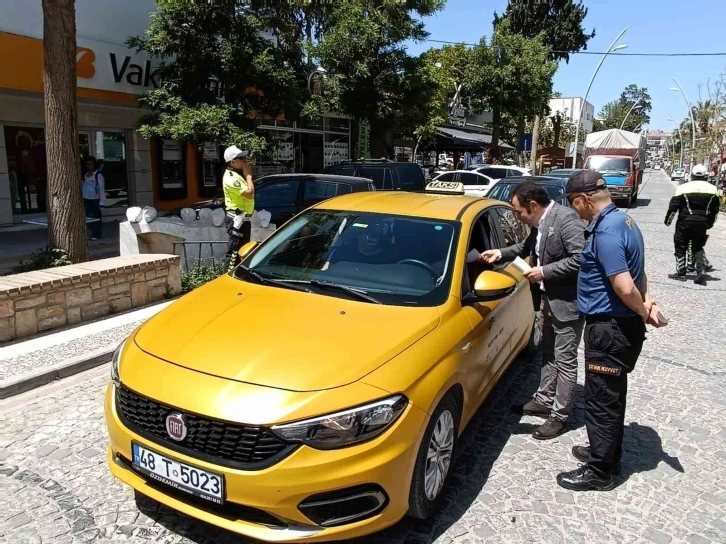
(554, 245)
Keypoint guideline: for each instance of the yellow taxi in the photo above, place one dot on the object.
(318, 392)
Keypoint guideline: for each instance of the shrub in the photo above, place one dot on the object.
(200, 274)
(44, 258)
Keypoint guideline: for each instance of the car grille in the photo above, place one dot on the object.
(223, 443)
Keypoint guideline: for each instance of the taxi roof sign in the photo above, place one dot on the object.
(445, 187)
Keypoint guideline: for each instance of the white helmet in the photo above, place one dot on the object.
(699, 171)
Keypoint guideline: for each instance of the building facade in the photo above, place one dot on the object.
(570, 107)
(657, 141)
(164, 173)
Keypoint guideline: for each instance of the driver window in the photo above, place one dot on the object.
(481, 239)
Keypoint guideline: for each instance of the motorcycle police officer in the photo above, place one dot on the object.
(239, 201)
(696, 204)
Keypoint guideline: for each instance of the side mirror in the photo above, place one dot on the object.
(245, 249)
(491, 286)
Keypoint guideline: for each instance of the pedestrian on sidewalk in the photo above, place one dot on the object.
(696, 204)
(94, 196)
(554, 246)
(239, 201)
(612, 292)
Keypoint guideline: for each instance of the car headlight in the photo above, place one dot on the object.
(114, 363)
(344, 428)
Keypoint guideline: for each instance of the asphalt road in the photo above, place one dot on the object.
(56, 488)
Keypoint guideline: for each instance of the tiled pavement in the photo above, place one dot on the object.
(55, 486)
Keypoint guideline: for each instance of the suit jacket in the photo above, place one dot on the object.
(563, 239)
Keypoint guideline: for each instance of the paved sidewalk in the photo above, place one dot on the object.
(27, 358)
(57, 489)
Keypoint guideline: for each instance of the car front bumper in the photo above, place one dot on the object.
(620, 192)
(251, 497)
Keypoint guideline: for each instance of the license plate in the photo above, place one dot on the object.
(195, 481)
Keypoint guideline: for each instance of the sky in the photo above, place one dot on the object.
(654, 26)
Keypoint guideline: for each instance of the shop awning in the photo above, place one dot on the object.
(454, 139)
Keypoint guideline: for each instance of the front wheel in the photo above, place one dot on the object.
(435, 456)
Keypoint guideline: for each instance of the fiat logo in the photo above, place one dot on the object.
(176, 426)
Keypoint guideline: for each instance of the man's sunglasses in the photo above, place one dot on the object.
(571, 198)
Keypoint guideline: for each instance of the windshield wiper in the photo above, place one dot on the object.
(357, 293)
(268, 281)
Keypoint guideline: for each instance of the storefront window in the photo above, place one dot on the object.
(337, 149)
(173, 181)
(110, 150)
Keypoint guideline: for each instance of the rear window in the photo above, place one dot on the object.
(341, 170)
(473, 179)
(382, 178)
(449, 176)
(411, 177)
(514, 173)
(496, 173)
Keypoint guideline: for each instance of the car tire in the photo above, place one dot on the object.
(425, 500)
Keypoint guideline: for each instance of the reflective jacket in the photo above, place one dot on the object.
(694, 202)
(234, 185)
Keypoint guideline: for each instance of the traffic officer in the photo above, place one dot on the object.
(696, 204)
(612, 295)
(239, 201)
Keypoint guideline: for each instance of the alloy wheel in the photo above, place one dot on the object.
(438, 457)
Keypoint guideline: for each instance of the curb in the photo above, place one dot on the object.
(32, 380)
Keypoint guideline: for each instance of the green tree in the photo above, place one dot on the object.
(560, 20)
(561, 23)
(444, 68)
(510, 75)
(220, 72)
(369, 73)
(630, 110)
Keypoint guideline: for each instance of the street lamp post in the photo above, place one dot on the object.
(630, 111)
(612, 48)
(318, 70)
(680, 138)
(690, 112)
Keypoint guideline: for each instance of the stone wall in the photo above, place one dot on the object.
(34, 302)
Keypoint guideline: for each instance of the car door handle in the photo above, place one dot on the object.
(466, 347)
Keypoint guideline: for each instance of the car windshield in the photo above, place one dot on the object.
(503, 191)
(390, 259)
(604, 165)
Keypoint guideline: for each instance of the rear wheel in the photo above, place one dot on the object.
(435, 456)
(535, 338)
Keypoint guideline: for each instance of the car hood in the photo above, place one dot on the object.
(281, 338)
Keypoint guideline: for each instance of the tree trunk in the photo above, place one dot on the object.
(66, 218)
(556, 129)
(415, 149)
(535, 144)
(496, 122)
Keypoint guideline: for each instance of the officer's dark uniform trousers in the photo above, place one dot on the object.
(612, 347)
(237, 237)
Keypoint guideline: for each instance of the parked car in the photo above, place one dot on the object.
(500, 171)
(475, 183)
(555, 188)
(563, 173)
(386, 175)
(678, 174)
(319, 392)
(286, 195)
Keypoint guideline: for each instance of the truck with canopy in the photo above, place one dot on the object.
(619, 156)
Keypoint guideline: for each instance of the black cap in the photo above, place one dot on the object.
(585, 181)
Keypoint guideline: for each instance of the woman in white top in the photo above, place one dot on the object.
(94, 195)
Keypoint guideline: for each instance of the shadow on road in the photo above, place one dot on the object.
(643, 451)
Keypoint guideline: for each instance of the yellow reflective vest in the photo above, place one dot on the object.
(234, 185)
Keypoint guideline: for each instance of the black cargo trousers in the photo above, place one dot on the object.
(691, 233)
(612, 347)
(237, 238)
